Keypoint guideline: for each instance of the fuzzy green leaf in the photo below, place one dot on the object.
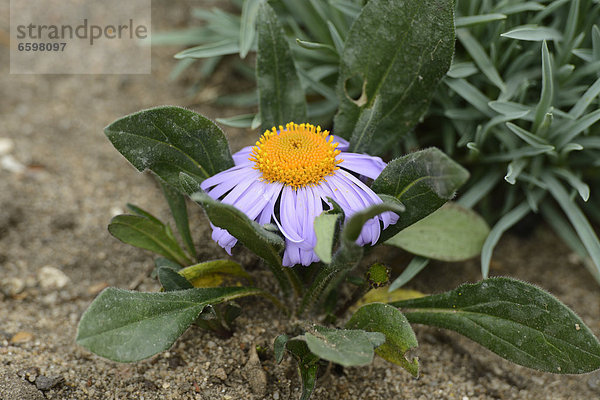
(149, 234)
(169, 140)
(423, 181)
(399, 336)
(281, 96)
(171, 280)
(515, 320)
(347, 347)
(128, 326)
(451, 233)
(398, 65)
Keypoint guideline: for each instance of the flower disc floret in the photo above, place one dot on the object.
(297, 156)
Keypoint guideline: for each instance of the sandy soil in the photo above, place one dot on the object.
(62, 184)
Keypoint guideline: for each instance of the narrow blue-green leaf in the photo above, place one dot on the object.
(480, 57)
(169, 140)
(527, 151)
(503, 224)
(336, 37)
(220, 48)
(508, 107)
(527, 136)
(514, 169)
(471, 94)
(585, 100)
(347, 347)
(584, 54)
(462, 70)
(315, 45)
(399, 336)
(576, 217)
(128, 326)
(582, 188)
(416, 265)
(595, 43)
(171, 280)
(281, 97)
(178, 208)
(572, 129)
(547, 94)
(515, 8)
(479, 189)
(515, 320)
(248, 25)
(317, 86)
(533, 33)
(470, 20)
(349, 8)
(147, 234)
(451, 233)
(183, 37)
(237, 121)
(399, 64)
(562, 228)
(423, 181)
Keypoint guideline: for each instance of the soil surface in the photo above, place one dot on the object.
(61, 182)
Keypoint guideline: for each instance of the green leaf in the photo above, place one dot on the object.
(416, 265)
(171, 280)
(260, 241)
(398, 66)
(515, 320)
(147, 234)
(423, 181)
(503, 224)
(213, 273)
(248, 25)
(347, 347)
(169, 140)
(179, 211)
(533, 33)
(452, 233)
(399, 336)
(280, 92)
(478, 54)
(577, 218)
(308, 365)
(220, 48)
(237, 121)
(470, 20)
(279, 347)
(326, 226)
(128, 326)
(547, 94)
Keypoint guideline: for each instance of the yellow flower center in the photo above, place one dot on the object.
(299, 155)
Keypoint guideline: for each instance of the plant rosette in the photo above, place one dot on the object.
(310, 205)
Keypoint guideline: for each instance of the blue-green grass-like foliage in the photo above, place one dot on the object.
(519, 106)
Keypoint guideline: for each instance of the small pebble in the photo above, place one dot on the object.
(46, 383)
(221, 374)
(21, 337)
(6, 146)
(52, 278)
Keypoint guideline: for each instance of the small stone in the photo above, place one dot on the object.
(11, 164)
(254, 373)
(21, 337)
(166, 385)
(12, 286)
(276, 396)
(97, 288)
(46, 383)
(6, 146)
(52, 278)
(221, 374)
(13, 388)
(29, 374)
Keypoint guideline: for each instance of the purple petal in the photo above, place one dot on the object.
(343, 144)
(223, 238)
(224, 181)
(242, 156)
(289, 219)
(362, 164)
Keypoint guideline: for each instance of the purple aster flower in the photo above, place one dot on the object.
(288, 176)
